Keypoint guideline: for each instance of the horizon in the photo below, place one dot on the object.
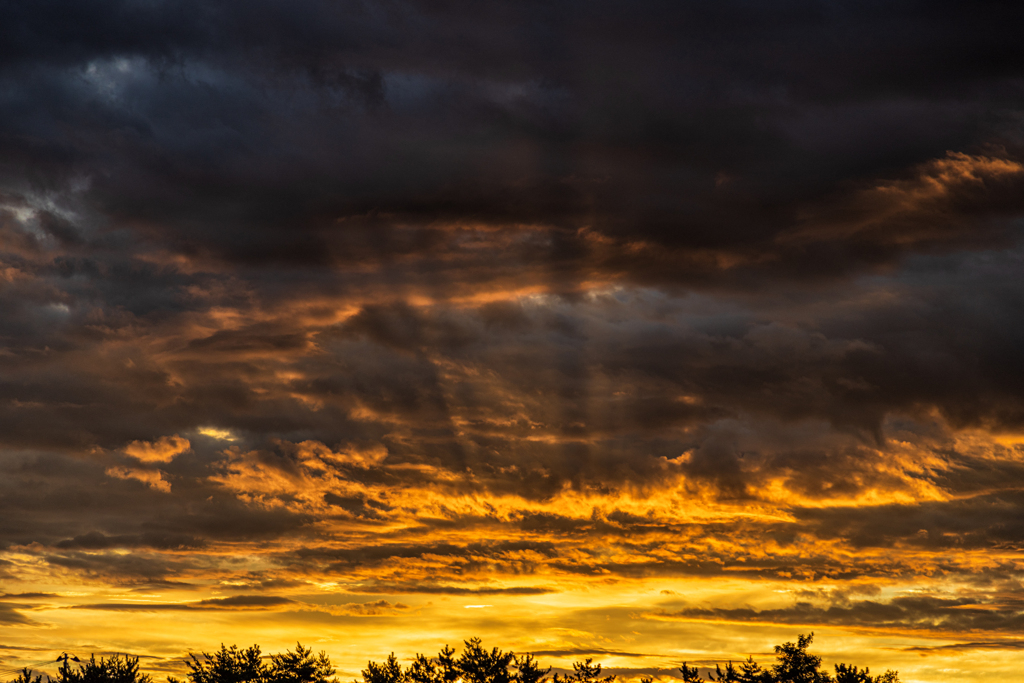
(474, 662)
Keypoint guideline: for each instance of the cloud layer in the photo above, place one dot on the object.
(320, 312)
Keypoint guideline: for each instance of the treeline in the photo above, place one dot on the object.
(475, 664)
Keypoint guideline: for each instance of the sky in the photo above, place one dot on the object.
(647, 331)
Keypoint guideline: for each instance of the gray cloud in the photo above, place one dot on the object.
(11, 616)
(935, 614)
(235, 602)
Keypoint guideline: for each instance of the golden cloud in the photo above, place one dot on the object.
(942, 200)
(151, 478)
(165, 449)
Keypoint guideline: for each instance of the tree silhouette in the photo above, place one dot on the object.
(747, 672)
(730, 673)
(475, 664)
(388, 672)
(480, 666)
(751, 672)
(235, 665)
(25, 676)
(689, 673)
(227, 665)
(301, 666)
(113, 669)
(441, 669)
(585, 672)
(889, 676)
(795, 665)
(851, 674)
(529, 671)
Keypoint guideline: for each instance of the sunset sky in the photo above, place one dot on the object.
(642, 331)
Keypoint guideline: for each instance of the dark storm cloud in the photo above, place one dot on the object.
(586, 651)
(248, 134)
(135, 567)
(972, 522)
(456, 554)
(673, 367)
(235, 602)
(72, 513)
(925, 612)
(979, 645)
(440, 589)
(618, 385)
(94, 540)
(692, 143)
(11, 616)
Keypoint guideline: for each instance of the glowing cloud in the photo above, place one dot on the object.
(151, 478)
(164, 449)
(215, 433)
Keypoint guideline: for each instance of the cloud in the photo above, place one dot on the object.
(377, 608)
(95, 540)
(457, 590)
(151, 478)
(215, 433)
(258, 603)
(942, 201)
(245, 602)
(902, 614)
(119, 568)
(233, 603)
(11, 616)
(163, 450)
(966, 647)
(579, 651)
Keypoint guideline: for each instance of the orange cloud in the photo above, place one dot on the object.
(151, 478)
(164, 449)
(943, 200)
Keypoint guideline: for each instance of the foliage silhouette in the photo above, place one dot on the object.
(794, 665)
(690, 674)
(476, 664)
(585, 672)
(234, 665)
(25, 676)
(113, 669)
(227, 665)
(441, 669)
(388, 672)
(851, 674)
(529, 671)
(747, 672)
(480, 666)
(301, 666)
